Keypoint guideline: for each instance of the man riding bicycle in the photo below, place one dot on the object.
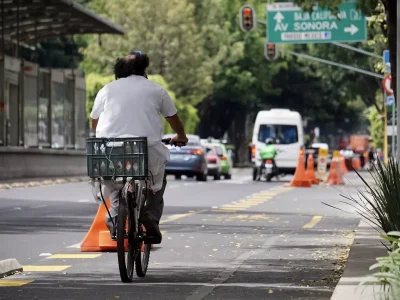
(131, 106)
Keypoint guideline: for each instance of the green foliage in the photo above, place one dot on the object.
(388, 276)
(187, 112)
(219, 74)
(379, 203)
(167, 32)
(376, 126)
(94, 82)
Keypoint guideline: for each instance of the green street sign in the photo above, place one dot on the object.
(288, 24)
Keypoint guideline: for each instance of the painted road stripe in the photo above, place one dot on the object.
(176, 217)
(223, 210)
(255, 201)
(75, 246)
(72, 256)
(9, 282)
(44, 268)
(314, 221)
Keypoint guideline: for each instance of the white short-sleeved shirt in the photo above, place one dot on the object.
(131, 107)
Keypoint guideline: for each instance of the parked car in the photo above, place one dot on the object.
(213, 162)
(223, 154)
(189, 160)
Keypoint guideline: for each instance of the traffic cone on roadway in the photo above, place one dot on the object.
(335, 177)
(98, 238)
(310, 173)
(356, 162)
(300, 178)
(343, 168)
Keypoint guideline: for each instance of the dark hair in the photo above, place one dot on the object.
(133, 64)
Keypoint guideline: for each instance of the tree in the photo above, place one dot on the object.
(168, 34)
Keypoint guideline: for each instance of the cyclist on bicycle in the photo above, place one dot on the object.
(131, 106)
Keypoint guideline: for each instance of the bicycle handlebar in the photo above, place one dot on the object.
(168, 140)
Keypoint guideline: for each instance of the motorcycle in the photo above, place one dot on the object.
(268, 171)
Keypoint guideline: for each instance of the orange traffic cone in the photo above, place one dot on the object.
(334, 177)
(98, 237)
(343, 168)
(300, 178)
(310, 173)
(356, 163)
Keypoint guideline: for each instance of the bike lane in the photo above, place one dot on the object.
(266, 241)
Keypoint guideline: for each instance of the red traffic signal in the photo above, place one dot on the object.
(271, 51)
(247, 18)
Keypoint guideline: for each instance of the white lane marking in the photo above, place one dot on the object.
(39, 206)
(174, 186)
(75, 246)
(85, 201)
(45, 254)
(17, 208)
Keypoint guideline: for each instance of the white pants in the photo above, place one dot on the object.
(110, 189)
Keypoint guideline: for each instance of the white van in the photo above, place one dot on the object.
(285, 128)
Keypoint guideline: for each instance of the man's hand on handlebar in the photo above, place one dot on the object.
(176, 141)
(179, 140)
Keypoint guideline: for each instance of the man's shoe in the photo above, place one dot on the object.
(111, 227)
(153, 234)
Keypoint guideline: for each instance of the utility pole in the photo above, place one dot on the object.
(397, 98)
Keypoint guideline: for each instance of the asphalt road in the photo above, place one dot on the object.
(228, 239)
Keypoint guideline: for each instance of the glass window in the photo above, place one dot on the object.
(219, 150)
(57, 115)
(81, 124)
(30, 111)
(44, 101)
(280, 134)
(69, 121)
(210, 151)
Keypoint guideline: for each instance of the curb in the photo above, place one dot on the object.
(15, 185)
(9, 267)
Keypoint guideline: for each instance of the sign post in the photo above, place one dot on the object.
(287, 23)
(322, 163)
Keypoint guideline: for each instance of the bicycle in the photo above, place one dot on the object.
(133, 246)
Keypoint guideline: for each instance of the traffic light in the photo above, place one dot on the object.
(247, 18)
(271, 51)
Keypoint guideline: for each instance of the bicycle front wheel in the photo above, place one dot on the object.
(125, 257)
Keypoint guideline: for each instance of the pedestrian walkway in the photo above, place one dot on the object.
(366, 248)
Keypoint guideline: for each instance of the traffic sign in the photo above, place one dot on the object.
(287, 23)
(322, 162)
(386, 56)
(386, 83)
(386, 60)
(389, 100)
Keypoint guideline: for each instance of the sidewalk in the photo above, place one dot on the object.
(366, 248)
(34, 182)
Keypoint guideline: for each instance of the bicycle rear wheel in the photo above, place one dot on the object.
(142, 258)
(125, 258)
(143, 255)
